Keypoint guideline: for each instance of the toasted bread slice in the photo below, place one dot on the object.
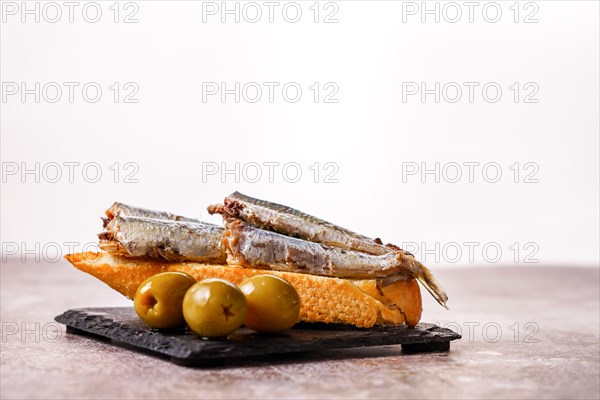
(330, 300)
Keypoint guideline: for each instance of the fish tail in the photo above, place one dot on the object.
(424, 275)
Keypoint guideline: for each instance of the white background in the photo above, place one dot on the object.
(370, 133)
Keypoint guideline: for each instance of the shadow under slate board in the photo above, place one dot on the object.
(122, 326)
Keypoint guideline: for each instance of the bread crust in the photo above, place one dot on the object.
(327, 300)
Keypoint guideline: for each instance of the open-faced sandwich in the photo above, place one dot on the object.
(340, 276)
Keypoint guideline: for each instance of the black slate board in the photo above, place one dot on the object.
(122, 326)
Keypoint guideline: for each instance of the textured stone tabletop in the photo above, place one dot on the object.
(527, 333)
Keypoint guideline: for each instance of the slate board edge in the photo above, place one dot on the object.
(104, 327)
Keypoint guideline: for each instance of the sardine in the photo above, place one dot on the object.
(161, 238)
(248, 246)
(290, 241)
(130, 211)
(291, 222)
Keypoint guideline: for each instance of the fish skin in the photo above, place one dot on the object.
(249, 246)
(131, 211)
(291, 222)
(252, 247)
(133, 236)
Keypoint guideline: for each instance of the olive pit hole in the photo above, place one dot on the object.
(150, 301)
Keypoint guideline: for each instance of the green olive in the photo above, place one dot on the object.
(214, 307)
(158, 299)
(273, 304)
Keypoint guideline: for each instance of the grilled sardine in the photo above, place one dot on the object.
(249, 246)
(291, 222)
(160, 238)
